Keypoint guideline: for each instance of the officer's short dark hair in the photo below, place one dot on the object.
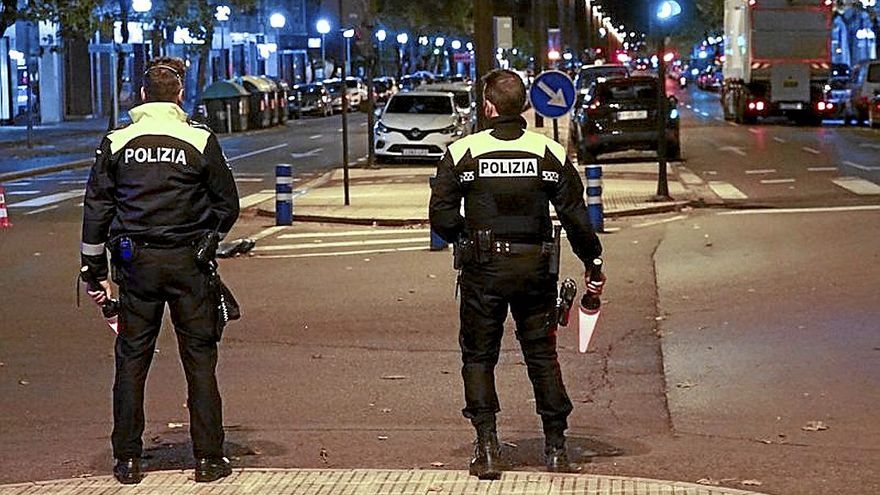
(163, 79)
(505, 90)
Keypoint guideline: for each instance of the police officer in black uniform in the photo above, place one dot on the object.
(507, 177)
(158, 187)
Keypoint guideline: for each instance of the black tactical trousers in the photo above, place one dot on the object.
(523, 284)
(154, 278)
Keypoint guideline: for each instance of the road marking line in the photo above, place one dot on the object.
(857, 185)
(343, 253)
(870, 145)
(313, 245)
(690, 178)
(22, 193)
(660, 222)
(689, 107)
(256, 198)
(710, 172)
(761, 171)
(754, 131)
(779, 140)
(822, 169)
(73, 182)
(249, 174)
(735, 149)
(21, 183)
(252, 153)
(831, 209)
(704, 114)
(726, 190)
(719, 119)
(48, 200)
(860, 167)
(777, 181)
(248, 179)
(41, 210)
(311, 152)
(316, 136)
(268, 232)
(811, 150)
(353, 233)
(734, 124)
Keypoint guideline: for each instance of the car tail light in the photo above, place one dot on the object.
(824, 106)
(757, 105)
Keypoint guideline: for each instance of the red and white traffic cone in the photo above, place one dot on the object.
(4, 215)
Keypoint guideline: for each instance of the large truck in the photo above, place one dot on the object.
(777, 59)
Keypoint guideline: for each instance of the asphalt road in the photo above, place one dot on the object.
(723, 336)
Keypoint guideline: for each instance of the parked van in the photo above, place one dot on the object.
(865, 85)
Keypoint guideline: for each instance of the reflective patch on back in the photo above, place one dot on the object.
(550, 176)
(508, 167)
(467, 176)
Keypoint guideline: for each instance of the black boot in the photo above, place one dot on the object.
(128, 471)
(486, 463)
(556, 460)
(212, 469)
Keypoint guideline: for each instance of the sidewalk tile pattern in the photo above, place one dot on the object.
(369, 482)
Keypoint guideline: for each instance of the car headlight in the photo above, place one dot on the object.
(448, 130)
(380, 128)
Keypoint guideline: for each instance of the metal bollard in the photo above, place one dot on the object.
(437, 242)
(283, 195)
(594, 197)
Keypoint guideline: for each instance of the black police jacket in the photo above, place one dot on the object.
(508, 177)
(161, 180)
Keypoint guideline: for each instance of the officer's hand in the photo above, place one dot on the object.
(595, 286)
(100, 296)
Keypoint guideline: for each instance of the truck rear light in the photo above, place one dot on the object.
(823, 106)
(752, 3)
(760, 106)
(828, 3)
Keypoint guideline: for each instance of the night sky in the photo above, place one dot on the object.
(632, 13)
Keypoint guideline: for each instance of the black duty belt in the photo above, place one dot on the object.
(505, 248)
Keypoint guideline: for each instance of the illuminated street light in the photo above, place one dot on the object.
(323, 27)
(381, 35)
(668, 9)
(423, 40)
(142, 6)
(470, 46)
(403, 38)
(348, 33)
(222, 13)
(456, 44)
(439, 42)
(277, 20)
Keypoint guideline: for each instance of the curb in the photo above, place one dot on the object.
(24, 174)
(373, 481)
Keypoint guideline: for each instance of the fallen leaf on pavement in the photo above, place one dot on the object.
(510, 444)
(814, 426)
(765, 441)
(317, 356)
(382, 437)
(24, 382)
(386, 410)
(324, 455)
(708, 481)
(176, 425)
(394, 377)
(751, 483)
(85, 475)
(686, 384)
(435, 488)
(431, 275)
(438, 464)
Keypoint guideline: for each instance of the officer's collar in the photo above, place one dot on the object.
(507, 126)
(158, 110)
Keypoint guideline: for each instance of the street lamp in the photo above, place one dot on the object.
(381, 36)
(222, 14)
(142, 7)
(402, 40)
(323, 27)
(348, 34)
(277, 21)
(456, 45)
(666, 10)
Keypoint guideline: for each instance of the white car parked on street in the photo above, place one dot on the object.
(418, 125)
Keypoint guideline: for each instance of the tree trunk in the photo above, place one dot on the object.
(120, 60)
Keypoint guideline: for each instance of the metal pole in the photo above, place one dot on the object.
(283, 194)
(345, 178)
(540, 42)
(556, 130)
(114, 88)
(485, 50)
(662, 181)
(323, 58)
(278, 52)
(30, 87)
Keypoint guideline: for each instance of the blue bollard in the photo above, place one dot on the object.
(283, 195)
(594, 197)
(437, 242)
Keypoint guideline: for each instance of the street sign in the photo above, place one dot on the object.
(552, 94)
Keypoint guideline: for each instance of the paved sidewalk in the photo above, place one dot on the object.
(368, 482)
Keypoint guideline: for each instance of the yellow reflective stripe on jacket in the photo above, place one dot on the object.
(483, 142)
(159, 119)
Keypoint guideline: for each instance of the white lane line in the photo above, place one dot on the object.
(870, 145)
(248, 179)
(689, 107)
(21, 183)
(777, 181)
(22, 193)
(831, 209)
(660, 222)
(73, 182)
(779, 140)
(689, 178)
(256, 198)
(316, 136)
(343, 253)
(41, 210)
(313, 245)
(857, 185)
(822, 169)
(811, 150)
(353, 233)
(726, 190)
(754, 131)
(249, 174)
(734, 149)
(268, 232)
(48, 200)
(252, 153)
(859, 166)
(761, 171)
(704, 114)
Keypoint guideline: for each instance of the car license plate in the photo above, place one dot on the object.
(791, 106)
(632, 115)
(415, 152)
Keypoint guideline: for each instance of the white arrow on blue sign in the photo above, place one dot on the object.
(552, 94)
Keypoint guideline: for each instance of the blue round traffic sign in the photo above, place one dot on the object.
(552, 94)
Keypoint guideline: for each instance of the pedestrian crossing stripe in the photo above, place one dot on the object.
(857, 185)
(726, 190)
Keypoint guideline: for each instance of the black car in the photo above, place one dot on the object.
(311, 99)
(621, 114)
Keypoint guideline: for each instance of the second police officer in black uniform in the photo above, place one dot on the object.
(507, 177)
(158, 187)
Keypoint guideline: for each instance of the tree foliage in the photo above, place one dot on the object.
(453, 17)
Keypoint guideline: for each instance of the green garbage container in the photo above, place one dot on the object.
(227, 106)
(261, 102)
